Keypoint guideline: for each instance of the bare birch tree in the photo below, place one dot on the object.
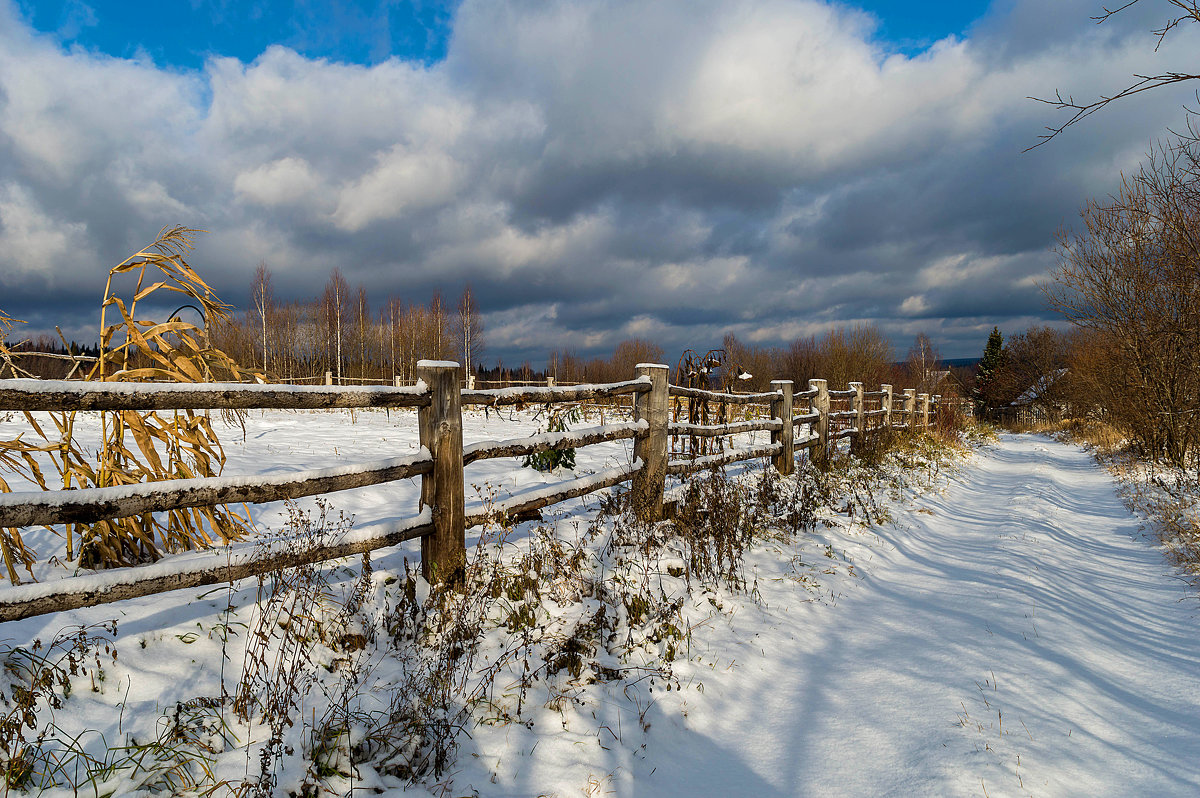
(334, 307)
(439, 334)
(469, 327)
(261, 305)
(923, 363)
(362, 328)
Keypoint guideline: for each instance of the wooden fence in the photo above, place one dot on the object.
(442, 520)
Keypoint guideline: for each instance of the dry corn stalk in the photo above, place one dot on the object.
(138, 446)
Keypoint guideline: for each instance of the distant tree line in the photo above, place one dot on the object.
(51, 368)
(341, 332)
(858, 353)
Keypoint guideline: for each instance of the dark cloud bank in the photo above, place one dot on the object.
(673, 171)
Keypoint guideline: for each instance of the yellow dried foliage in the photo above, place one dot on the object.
(137, 446)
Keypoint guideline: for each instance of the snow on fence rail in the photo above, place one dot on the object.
(442, 518)
(26, 394)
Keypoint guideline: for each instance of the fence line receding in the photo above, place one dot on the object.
(665, 443)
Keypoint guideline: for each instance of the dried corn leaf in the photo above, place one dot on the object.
(135, 350)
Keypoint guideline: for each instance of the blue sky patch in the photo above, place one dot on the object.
(183, 34)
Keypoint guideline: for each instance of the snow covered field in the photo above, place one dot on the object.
(1009, 632)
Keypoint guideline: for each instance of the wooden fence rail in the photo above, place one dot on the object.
(28, 394)
(442, 518)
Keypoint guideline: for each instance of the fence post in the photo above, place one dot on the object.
(924, 400)
(887, 405)
(329, 378)
(549, 382)
(910, 408)
(781, 408)
(820, 404)
(651, 447)
(934, 401)
(856, 443)
(444, 553)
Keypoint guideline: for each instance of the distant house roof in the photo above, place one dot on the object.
(1035, 391)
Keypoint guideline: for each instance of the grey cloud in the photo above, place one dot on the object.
(674, 170)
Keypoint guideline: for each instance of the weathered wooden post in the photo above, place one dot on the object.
(470, 382)
(860, 418)
(934, 401)
(781, 408)
(549, 382)
(820, 405)
(887, 406)
(396, 381)
(924, 399)
(910, 408)
(651, 447)
(444, 553)
(329, 378)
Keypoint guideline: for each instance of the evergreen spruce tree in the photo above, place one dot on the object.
(989, 365)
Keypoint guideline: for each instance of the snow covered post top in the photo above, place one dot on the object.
(651, 448)
(781, 408)
(444, 553)
(820, 405)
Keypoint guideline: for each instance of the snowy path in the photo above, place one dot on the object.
(1019, 614)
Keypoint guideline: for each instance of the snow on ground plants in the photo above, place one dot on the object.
(990, 624)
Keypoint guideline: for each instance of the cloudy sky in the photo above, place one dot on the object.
(674, 169)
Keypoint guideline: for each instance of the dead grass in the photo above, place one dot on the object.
(1103, 438)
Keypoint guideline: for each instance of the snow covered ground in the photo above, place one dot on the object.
(1009, 632)
(1014, 634)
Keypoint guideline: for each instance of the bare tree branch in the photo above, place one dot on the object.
(1188, 11)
